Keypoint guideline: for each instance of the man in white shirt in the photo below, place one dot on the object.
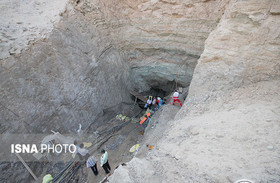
(104, 161)
(148, 104)
(176, 98)
(82, 151)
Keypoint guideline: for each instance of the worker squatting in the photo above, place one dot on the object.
(49, 148)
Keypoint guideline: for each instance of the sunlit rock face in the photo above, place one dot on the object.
(243, 49)
(162, 40)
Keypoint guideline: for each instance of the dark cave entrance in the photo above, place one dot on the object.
(162, 89)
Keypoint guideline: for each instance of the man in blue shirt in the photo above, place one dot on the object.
(91, 162)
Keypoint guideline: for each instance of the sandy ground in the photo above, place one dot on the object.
(22, 22)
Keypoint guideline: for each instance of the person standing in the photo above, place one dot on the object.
(82, 153)
(92, 163)
(148, 104)
(154, 103)
(159, 102)
(176, 98)
(104, 161)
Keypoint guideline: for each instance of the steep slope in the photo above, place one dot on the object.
(228, 128)
(60, 81)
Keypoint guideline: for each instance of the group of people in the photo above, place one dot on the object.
(153, 103)
(92, 163)
(92, 160)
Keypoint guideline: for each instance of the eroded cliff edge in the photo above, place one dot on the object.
(60, 82)
(228, 128)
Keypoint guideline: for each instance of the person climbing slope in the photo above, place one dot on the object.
(176, 98)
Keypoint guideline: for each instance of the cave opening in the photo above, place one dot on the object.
(160, 88)
(160, 79)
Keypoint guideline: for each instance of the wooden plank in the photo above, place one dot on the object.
(139, 96)
(27, 167)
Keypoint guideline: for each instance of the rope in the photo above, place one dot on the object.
(176, 81)
(71, 173)
(100, 115)
(74, 171)
(59, 175)
(172, 89)
(64, 174)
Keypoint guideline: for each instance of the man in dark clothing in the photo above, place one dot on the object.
(91, 162)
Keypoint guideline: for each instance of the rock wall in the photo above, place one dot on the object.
(243, 49)
(233, 98)
(228, 127)
(66, 79)
(61, 79)
(161, 40)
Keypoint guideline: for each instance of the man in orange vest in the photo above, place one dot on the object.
(176, 98)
